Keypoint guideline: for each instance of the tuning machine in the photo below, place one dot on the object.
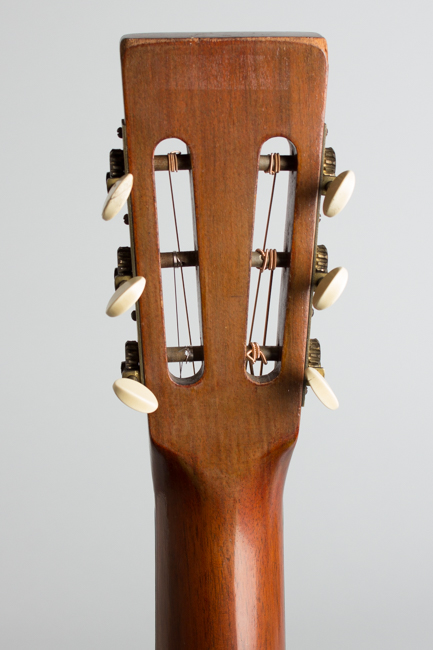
(315, 377)
(119, 185)
(128, 388)
(128, 288)
(337, 189)
(328, 286)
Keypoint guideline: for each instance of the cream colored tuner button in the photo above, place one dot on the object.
(321, 388)
(125, 296)
(117, 197)
(338, 193)
(135, 395)
(330, 288)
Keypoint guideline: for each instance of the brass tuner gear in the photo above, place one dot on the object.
(124, 266)
(130, 368)
(329, 162)
(314, 356)
(117, 163)
(321, 259)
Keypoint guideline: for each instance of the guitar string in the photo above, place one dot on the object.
(173, 167)
(274, 168)
(175, 264)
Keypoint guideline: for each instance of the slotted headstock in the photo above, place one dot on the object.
(224, 97)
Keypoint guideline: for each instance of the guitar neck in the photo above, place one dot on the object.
(219, 555)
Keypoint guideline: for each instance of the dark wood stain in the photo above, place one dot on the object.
(221, 446)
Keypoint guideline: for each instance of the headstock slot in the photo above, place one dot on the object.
(273, 226)
(174, 190)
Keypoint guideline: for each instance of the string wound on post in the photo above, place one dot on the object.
(269, 259)
(255, 354)
(173, 165)
(274, 165)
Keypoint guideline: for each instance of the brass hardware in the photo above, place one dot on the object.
(329, 162)
(117, 163)
(315, 274)
(130, 368)
(123, 272)
(314, 356)
(321, 259)
(329, 168)
(131, 374)
(117, 167)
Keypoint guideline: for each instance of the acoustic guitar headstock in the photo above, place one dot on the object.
(224, 96)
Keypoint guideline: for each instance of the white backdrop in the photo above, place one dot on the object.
(77, 540)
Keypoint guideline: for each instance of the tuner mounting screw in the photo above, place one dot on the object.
(120, 132)
(126, 219)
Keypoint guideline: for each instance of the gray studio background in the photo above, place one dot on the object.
(77, 539)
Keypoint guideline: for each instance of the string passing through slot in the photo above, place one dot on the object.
(269, 257)
(174, 167)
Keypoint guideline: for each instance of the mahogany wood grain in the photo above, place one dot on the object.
(221, 446)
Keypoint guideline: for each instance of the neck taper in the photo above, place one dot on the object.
(219, 556)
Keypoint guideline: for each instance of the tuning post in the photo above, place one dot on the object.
(129, 389)
(128, 289)
(315, 377)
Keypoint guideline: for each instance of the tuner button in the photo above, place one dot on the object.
(135, 395)
(338, 193)
(117, 196)
(330, 288)
(125, 296)
(321, 388)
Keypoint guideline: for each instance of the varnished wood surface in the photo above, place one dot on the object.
(221, 445)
